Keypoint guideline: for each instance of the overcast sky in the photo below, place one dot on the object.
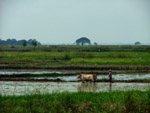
(64, 21)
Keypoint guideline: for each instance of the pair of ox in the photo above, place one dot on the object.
(87, 77)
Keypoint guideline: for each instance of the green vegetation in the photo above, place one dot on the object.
(94, 56)
(13, 42)
(24, 42)
(108, 58)
(83, 102)
(77, 57)
(87, 48)
(34, 42)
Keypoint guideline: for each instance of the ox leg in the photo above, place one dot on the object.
(93, 80)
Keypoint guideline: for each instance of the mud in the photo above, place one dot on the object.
(59, 80)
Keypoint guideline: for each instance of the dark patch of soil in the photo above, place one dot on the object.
(59, 80)
(137, 68)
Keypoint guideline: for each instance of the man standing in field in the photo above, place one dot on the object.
(110, 76)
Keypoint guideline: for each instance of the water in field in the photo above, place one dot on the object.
(41, 71)
(100, 77)
(24, 88)
(69, 77)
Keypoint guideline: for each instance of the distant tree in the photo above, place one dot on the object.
(83, 41)
(8, 42)
(24, 42)
(29, 42)
(13, 41)
(19, 42)
(137, 43)
(34, 42)
(95, 43)
(2, 42)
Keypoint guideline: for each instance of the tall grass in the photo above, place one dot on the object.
(118, 101)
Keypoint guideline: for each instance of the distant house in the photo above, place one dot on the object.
(137, 43)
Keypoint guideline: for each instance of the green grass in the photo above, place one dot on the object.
(135, 61)
(141, 58)
(121, 61)
(84, 102)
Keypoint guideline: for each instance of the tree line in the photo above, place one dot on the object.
(23, 42)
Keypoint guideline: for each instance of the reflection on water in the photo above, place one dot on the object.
(88, 87)
(24, 88)
(93, 87)
(110, 87)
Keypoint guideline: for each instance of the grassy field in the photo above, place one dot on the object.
(104, 57)
(125, 57)
(83, 102)
(78, 59)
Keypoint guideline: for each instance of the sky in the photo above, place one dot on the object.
(64, 21)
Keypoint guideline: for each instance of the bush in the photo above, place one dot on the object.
(67, 56)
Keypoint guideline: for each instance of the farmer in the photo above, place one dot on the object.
(110, 76)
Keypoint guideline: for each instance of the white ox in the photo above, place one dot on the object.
(87, 77)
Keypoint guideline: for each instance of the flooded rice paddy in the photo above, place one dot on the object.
(24, 88)
(40, 71)
(72, 74)
(100, 77)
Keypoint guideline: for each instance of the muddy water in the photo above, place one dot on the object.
(24, 88)
(100, 77)
(73, 77)
(126, 76)
(40, 71)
